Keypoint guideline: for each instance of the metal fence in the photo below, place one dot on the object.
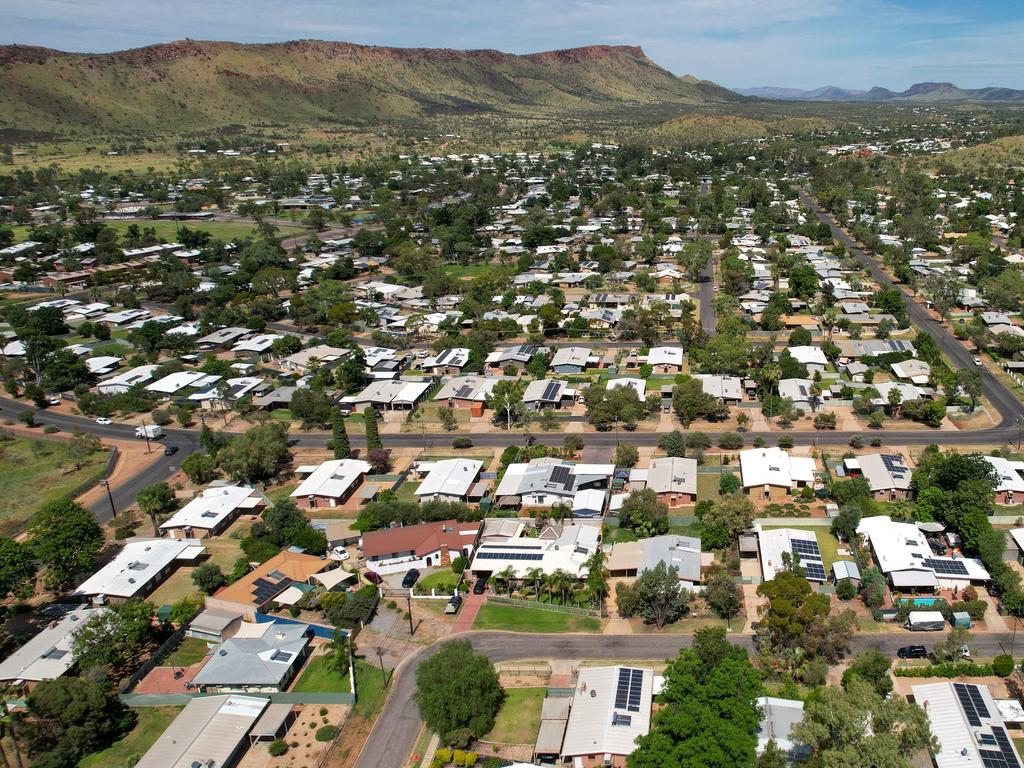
(283, 697)
(572, 610)
(165, 648)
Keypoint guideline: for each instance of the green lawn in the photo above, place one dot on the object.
(827, 543)
(471, 270)
(32, 477)
(221, 230)
(407, 491)
(442, 581)
(707, 485)
(319, 677)
(126, 752)
(370, 690)
(515, 619)
(189, 651)
(519, 718)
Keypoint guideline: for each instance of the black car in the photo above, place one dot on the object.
(453, 604)
(480, 587)
(410, 578)
(170, 450)
(912, 652)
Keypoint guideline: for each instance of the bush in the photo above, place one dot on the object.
(857, 441)
(759, 442)
(277, 748)
(786, 442)
(947, 669)
(975, 608)
(876, 442)
(27, 418)
(327, 733)
(444, 755)
(161, 417)
(1002, 665)
(845, 590)
(730, 441)
(50, 429)
(462, 443)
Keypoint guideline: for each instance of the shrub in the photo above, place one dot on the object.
(462, 443)
(857, 441)
(1002, 665)
(947, 669)
(444, 755)
(327, 733)
(730, 441)
(50, 429)
(161, 417)
(27, 418)
(277, 748)
(758, 442)
(975, 608)
(786, 442)
(845, 590)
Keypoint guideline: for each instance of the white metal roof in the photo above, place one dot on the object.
(137, 565)
(958, 738)
(332, 478)
(596, 725)
(48, 654)
(214, 504)
(450, 477)
(774, 466)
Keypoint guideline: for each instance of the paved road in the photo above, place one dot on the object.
(1008, 406)
(395, 731)
(706, 292)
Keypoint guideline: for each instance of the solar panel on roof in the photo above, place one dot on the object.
(636, 681)
(464, 391)
(622, 688)
(946, 567)
(510, 556)
(971, 703)
(559, 475)
(813, 571)
(550, 390)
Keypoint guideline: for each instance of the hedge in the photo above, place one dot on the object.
(947, 669)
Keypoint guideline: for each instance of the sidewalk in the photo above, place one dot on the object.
(471, 606)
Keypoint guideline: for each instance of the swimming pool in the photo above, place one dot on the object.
(925, 601)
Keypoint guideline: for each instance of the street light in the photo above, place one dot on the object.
(106, 484)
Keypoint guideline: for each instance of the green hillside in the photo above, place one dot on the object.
(203, 85)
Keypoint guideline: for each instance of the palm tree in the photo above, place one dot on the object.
(507, 577)
(597, 579)
(815, 394)
(535, 576)
(562, 581)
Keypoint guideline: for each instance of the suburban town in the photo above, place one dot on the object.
(624, 450)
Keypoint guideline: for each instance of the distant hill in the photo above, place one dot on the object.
(920, 92)
(190, 85)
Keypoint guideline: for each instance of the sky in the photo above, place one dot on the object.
(738, 43)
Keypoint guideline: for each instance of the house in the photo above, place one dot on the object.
(778, 716)
(256, 346)
(725, 389)
(968, 725)
(611, 709)
(139, 568)
(680, 553)
(887, 475)
(48, 654)
(467, 391)
(261, 586)
(915, 371)
(589, 503)
(637, 385)
(547, 393)
(902, 553)
(1010, 484)
(213, 510)
(799, 391)
(771, 473)
(175, 382)
(447, 362)
(214, 625)
(856, 349)
(211, 730)
(388, 395)
(545, 482)
(798, 544)
(665, 360)
(322, 355)
(120, 384)
(516, 358)
(567, 549)
(573, 360)
(674, 480)
(811, 357)
(266, 662)
(329, 484)
(223, 338)
(449, 480)
(425, 545)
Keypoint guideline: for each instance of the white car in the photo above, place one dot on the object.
(340, 553)
(104, 421)
(977, 361)
(965, 652)
(54, 401)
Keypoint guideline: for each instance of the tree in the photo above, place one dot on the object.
(17, 569)
(968, 381)
(796, 617)
(709, 717)
(65, 538)
(208, 578)
(656, 595)
(199, 468)
(722, 594)
(373, 440)
(82, 446)
(729, 483)
(694, 258)
(506, 400)
(447, 418)
(154, 499)
(458, 690)
(950, 647)
(626, 455)
(673, 443)
(729, 516)
(71, 717)
(643, 513)
(339, 436)
(284, 524)
(257, 455)
(114, 638)
(872, 666)
(854, 726)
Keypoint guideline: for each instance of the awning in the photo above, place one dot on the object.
(270, 723)
(331, 579)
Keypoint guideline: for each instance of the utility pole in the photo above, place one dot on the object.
(408, 600)
(1020, 429)
(380, 661)
(106, 484)
(145, 434)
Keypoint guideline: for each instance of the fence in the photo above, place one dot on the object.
(515, 603)
(153, 661)
(284, 697)
(85, 485)
(518, 668)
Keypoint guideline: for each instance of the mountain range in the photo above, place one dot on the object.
(195, 85)
(919, 92)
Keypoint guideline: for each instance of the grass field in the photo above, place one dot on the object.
(126, 752)
(519, 718)
(223, 551)
(468, 271)
(318, 676)
(707, 485)
(222, 230)
(370, 690)
(32, 477)
(443, 581)
(515, 619)
(189, 651)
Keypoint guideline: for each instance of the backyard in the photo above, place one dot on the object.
(320, 677)
(34, 474)
(519, 718)
(126, 752)
(515, 619)
(190, 650)
(827, 543)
